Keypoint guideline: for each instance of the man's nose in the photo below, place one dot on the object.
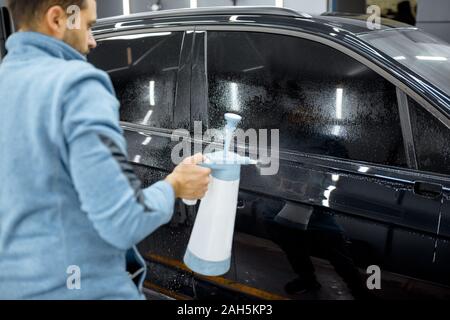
(92, 43)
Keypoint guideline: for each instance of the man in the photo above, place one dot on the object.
(70, 204)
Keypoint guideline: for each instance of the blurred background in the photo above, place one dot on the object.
(432, 16)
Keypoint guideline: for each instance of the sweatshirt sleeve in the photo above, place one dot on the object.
(110, 193)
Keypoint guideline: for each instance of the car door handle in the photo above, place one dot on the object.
(428, 190)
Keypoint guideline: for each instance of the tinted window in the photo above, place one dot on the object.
(323, 101)
(143, 69)
(431, 140)
(418, 51)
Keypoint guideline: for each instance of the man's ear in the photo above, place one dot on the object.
(55, 20)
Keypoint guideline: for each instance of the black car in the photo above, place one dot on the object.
(364, 165)
(364, 123)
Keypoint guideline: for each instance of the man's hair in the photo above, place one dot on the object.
(28, 12)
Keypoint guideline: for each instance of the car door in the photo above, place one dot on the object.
(343, 164)
(431, 137)
(150, 71)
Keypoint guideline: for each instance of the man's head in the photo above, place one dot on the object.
(67, 20)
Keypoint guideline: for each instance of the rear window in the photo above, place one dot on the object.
(143, 69)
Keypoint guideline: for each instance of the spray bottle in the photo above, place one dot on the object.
(210, 244)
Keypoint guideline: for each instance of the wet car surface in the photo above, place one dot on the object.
(363, 177)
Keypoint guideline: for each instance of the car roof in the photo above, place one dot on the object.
(274, 16)
(226, 10)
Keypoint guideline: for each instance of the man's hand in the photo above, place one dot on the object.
(189, 180)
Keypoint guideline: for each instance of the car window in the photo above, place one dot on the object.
(143, 69)
(418, 51)
(322, 101)
(431, 140)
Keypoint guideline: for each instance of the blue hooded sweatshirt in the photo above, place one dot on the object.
(70, 204)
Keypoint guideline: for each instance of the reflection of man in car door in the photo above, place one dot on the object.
(322, 238)
(69, 199)
(302, 231)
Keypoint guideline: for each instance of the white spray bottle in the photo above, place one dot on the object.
(209, 248)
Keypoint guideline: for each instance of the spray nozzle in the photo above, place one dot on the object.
(232, 120)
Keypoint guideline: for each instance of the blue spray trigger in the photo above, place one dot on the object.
(226, 169)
